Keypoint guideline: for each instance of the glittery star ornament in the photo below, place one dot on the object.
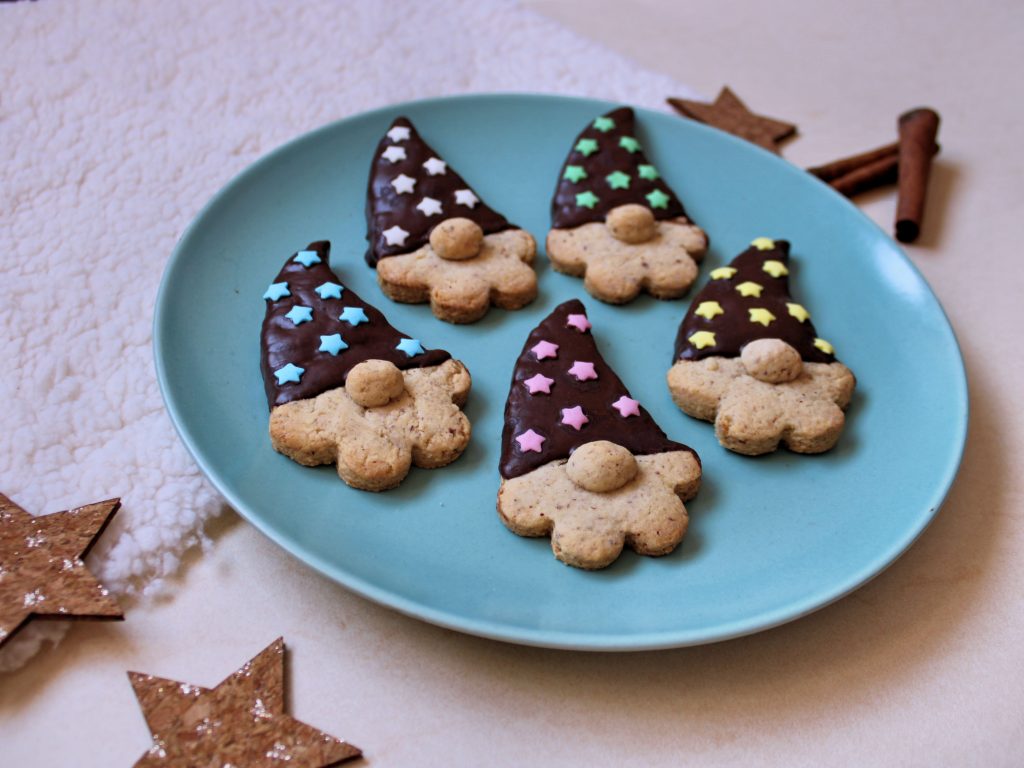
(729, 114)
(240, 722)
(41, 568)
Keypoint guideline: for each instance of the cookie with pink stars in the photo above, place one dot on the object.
(582, 461)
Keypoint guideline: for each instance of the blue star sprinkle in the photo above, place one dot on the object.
(300, 315)
(307, 258)
(353, 316)
(329, 291)
(289, 374)
(411, 347)
(277, 291)
(332, 344)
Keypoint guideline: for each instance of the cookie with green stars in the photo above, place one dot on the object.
(615, 221)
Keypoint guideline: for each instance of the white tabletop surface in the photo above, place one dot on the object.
(923, 666)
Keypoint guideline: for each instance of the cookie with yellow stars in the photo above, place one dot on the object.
(748, 358)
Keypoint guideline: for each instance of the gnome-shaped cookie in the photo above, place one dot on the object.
(433, 239)
(616, 223)
(748, 358)
(346, 388)
(581, 460)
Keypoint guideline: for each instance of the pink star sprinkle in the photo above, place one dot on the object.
(579, 322)
(529, 441)
(544, 349)
(574, 417)
(539, 383)
(627, 406)
(583, 371)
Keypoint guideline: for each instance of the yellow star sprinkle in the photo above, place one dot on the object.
(723, 273)
(824, 346)
(750, 289)
(708, 309)
(762, 316)
(775, 268)
(798, 312)
(702, 339)
(763, 243)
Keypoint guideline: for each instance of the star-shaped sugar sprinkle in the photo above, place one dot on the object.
(586, 199)
(629, 144)
(761, 315)
(582, 371)
(797, 311)
(586, 147)
(824, 346)
(466, 197)
(41, 568)
(398, 133)
(574, 173)
(428, 206)
(395, 235)
(393, 154)
(627, 406)
(332, 344)
(657, 199)
(763, 243)
(277, 291)
(307, 258)
(530, 441)
(289, 374)
(411, 347)
(329, 290)
(648, 172)
(748, 288)
(579, 322)
(300, 315)
(723, 273)
(240, 722)
(617, 180)
(544, 349)
(574, 417)
(435, 166)
(731, 115)
(709, 309)
(701, 339)
(403, 184)
(539, 384)
(604, 124)
(353, 315)
(775, 268)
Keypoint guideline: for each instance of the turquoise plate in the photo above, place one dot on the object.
(771, 539)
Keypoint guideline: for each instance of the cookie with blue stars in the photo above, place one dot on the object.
(345, 387)
(615, 221)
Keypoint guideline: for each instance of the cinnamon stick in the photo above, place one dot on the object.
(845, 165)
(918, 129)
(882, 171)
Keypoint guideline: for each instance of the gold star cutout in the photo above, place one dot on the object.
(824, 346)
(750, 289)
(798, 312)
(723, 273)
(241, 722)
(762, 243)
(709, 309)
(775, 268)
(731, 115)
(702, 339)
(762, 316)
(41, 568)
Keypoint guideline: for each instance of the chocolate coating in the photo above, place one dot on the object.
(283, 342)
(543, 412)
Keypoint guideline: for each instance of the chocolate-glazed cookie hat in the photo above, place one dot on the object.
(607, 168)
(564, 394)
(316, 330)
(412, 190)
(749, 300)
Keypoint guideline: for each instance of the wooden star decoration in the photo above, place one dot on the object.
(731, 115)
(41, 568)
(240, 723)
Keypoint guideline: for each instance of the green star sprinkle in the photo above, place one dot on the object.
(586, 147)
(586, 199)
(604, 124)
(574, 173)
(629, 144)
(618, 180)
(648, 172)
(657, 199)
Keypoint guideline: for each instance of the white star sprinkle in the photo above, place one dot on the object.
(403, 183)
(394, 154)
(429, 206)
(398, 133)
(466, 197)
(395, 235)
(435, 166)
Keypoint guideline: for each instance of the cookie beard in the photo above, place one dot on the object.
(374, 448)
(589, 530)
(616, 272)
(752, 417)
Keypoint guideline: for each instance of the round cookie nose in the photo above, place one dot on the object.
(374, 382)
(457, 239)
(631, 223)
(601, 466)
(771, 360)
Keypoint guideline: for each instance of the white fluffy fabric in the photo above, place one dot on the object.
(119, 119)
